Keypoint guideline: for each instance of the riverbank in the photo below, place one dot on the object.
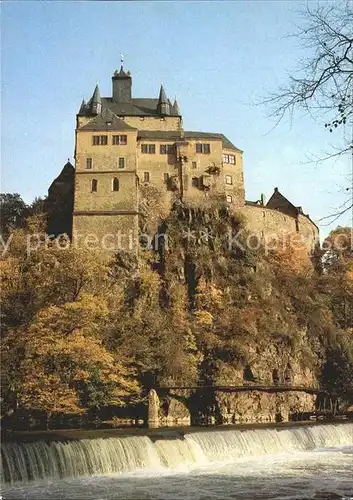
(62, 435)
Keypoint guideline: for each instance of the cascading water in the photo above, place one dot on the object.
(40, 460)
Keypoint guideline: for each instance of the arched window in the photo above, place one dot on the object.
(94, 185)
(115, 184)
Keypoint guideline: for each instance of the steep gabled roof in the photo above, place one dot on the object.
(107, 120)
(280, 202)
(139, 106)
(66, 175)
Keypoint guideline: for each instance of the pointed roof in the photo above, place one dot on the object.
(107, 120)
(162, 96)
(96, 98)
(83, 107)
(175, 108)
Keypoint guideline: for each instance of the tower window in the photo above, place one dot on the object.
(100, 140)
(229, 198)
(119, 140)
(115, 184)
(195, 182)
(89, 163)
(194, 164)
(148, 148)
(121, 162)
(229, 179)
(203, 148)
(94, 185)
(146, 177)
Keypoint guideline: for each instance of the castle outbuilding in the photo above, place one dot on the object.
(128, 146)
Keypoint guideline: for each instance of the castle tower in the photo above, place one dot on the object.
(122, 84)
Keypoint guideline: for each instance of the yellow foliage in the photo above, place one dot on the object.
(203, 318)
(209, 296)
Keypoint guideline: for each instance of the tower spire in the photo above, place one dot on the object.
(163, 107)
(96, 102)
(175, 107)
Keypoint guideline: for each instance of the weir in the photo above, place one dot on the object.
(38, 461)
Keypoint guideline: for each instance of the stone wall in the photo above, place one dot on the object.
(267, 223)
(107, 233)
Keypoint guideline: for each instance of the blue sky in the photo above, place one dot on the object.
(217, 57)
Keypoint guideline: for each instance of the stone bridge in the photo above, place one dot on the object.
(222, 404)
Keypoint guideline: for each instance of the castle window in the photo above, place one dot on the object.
(88, 163)
(100, 140)
(119, 140)
(165, 149)
(94, 185)
(229, 198)
(146, 177)
(229, 159)
(297, 225)
(203, 148)
(121, 162)
(229, 179)
(195, 182)
(115, 184)
(166, 178)
(194, 164)
(148, 148)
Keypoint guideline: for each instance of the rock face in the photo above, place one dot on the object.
(276, 364)
(258, 406)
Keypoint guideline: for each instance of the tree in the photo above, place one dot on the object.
(13, 213)
(65, 368)
(323, 82)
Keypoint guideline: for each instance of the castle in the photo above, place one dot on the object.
(127, 148)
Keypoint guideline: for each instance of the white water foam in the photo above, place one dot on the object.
(47, 461)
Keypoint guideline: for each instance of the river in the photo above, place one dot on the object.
(306, 462)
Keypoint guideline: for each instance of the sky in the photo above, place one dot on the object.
(219, 58)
